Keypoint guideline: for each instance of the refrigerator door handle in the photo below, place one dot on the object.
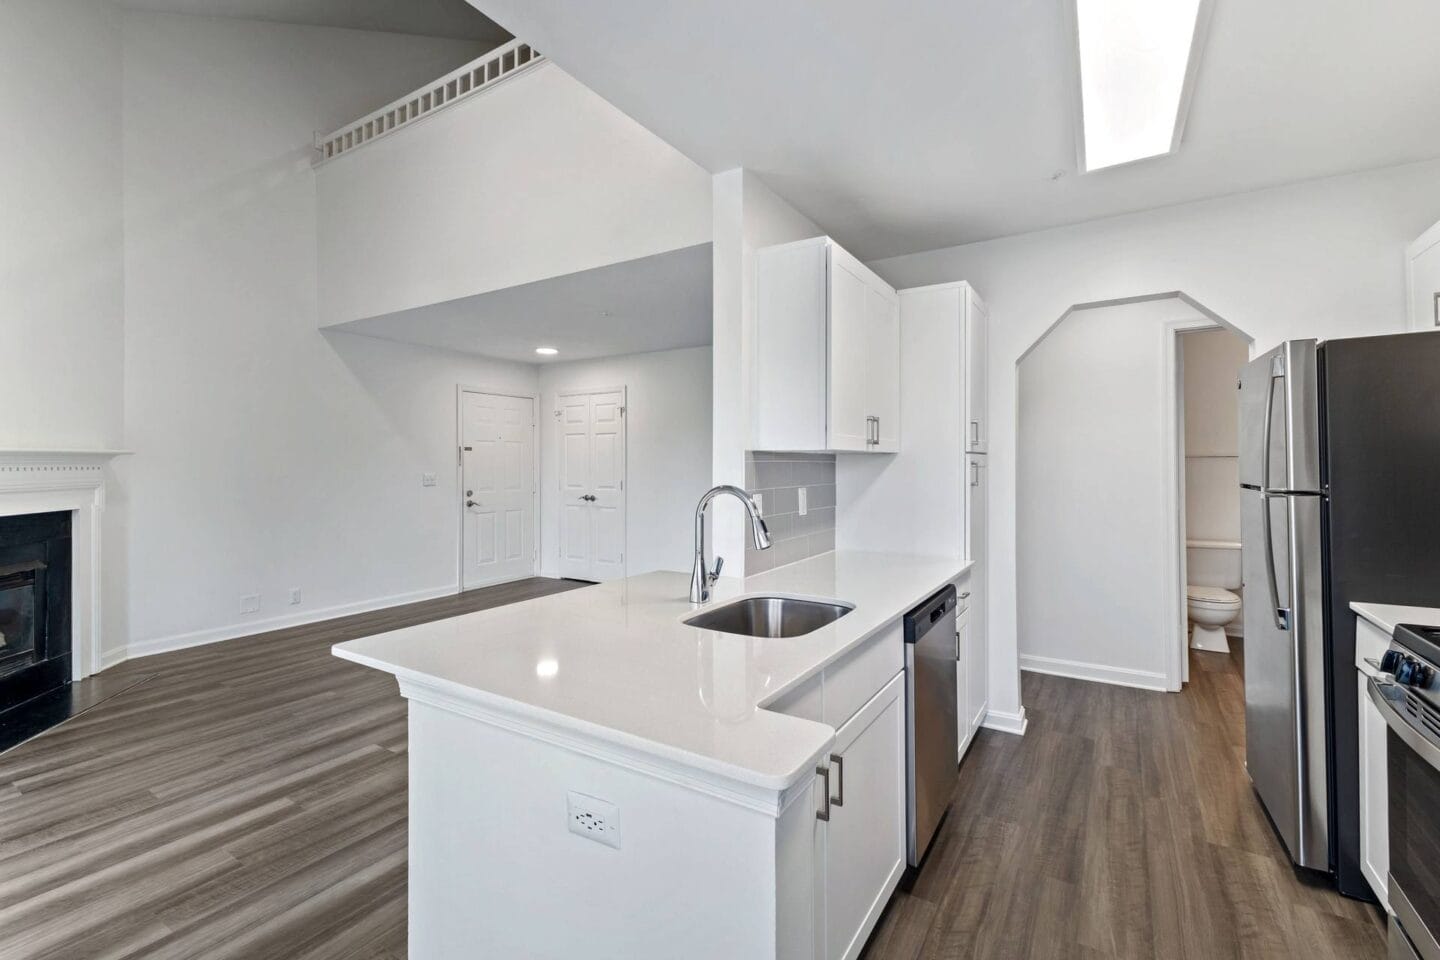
(1282, 615)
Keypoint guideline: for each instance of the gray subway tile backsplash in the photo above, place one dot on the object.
(778, 476)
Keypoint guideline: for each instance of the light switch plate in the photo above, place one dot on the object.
(428, 479)
(759, 499)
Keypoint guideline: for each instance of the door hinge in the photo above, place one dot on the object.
(622, 411)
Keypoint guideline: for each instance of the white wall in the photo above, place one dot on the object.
(61, 283)
(667, 451)
(747, 215)
(1317, 259)
(268, 455)
(1095, 496)
(536, 178)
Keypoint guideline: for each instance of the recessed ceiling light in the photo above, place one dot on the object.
(1137, 61)
(546, 351)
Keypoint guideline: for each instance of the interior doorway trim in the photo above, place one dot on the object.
(460, 391)
(1177, 664)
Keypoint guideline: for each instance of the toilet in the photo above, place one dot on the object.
(1213, 570)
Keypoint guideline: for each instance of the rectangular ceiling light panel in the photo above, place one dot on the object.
(1135, 72)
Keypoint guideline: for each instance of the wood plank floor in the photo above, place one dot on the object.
(1122, 825)
(247, 799)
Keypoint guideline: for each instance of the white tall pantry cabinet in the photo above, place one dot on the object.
(931, 498)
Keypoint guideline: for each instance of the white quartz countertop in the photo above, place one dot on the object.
(1386, 615)
(614, 662)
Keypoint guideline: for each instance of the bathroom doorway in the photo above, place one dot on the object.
(1207, 365)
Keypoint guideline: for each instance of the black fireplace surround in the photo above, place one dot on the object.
(35, 645)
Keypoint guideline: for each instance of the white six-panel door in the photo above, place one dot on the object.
(498, 488)
(592, 485)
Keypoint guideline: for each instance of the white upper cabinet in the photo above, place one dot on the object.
(827, 352)
(977, 323)
(1422, 280)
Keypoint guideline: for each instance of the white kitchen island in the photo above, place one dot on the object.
(692, 763)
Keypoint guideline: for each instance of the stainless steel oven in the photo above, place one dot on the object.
(1407, 693)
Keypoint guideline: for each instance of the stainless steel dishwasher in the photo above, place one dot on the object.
(932, 732)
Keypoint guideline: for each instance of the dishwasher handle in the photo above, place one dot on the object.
(928, 615)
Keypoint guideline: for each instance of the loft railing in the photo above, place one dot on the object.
(480, 74)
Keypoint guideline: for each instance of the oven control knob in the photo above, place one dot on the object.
(1390, 662)
(1412, 672)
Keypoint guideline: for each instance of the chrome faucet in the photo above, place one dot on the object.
(700, 577)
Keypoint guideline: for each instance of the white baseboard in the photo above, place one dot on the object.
(197, 638)
(1120, 676)
(1007, 722)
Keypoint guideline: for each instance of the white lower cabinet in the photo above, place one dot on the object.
(1374, 817)
(861, 847)
(1370, 644)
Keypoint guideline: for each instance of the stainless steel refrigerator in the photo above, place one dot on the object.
(1340, 501)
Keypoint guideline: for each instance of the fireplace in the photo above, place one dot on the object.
(35, 631)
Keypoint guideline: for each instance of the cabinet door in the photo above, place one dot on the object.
(1374, 793)
(964, 710)
(865, 836)
(883, 367)
(848, 427)
(977, 497)
(977, 321)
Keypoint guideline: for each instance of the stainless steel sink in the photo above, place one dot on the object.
(770, 616)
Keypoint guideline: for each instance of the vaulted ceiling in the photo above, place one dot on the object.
(910, 126)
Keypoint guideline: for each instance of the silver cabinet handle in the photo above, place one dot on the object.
(965, 595)
(974, 474)
(824, 814)
(839, 761)
(974, 433)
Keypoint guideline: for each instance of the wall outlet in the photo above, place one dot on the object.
(294, 595)
(428, 479)
(804, 507)
(759, 499)
(593, 819)
(250, 603)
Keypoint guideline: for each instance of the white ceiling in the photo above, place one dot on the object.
(910, 126)
(661, 302)
(432, 18)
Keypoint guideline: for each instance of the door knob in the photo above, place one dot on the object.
(471, 503)
(589, 498)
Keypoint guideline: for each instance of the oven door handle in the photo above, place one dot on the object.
(1403, 729)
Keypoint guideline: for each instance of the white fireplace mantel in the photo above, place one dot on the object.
(42, 481)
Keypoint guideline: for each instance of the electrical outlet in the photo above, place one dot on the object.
(294, 595)
(759, 499)
(593, 819)
(250, 603)
(428, 479)
(804, 508)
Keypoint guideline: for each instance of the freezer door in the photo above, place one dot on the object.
(1285, 669)
(1280, 419)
